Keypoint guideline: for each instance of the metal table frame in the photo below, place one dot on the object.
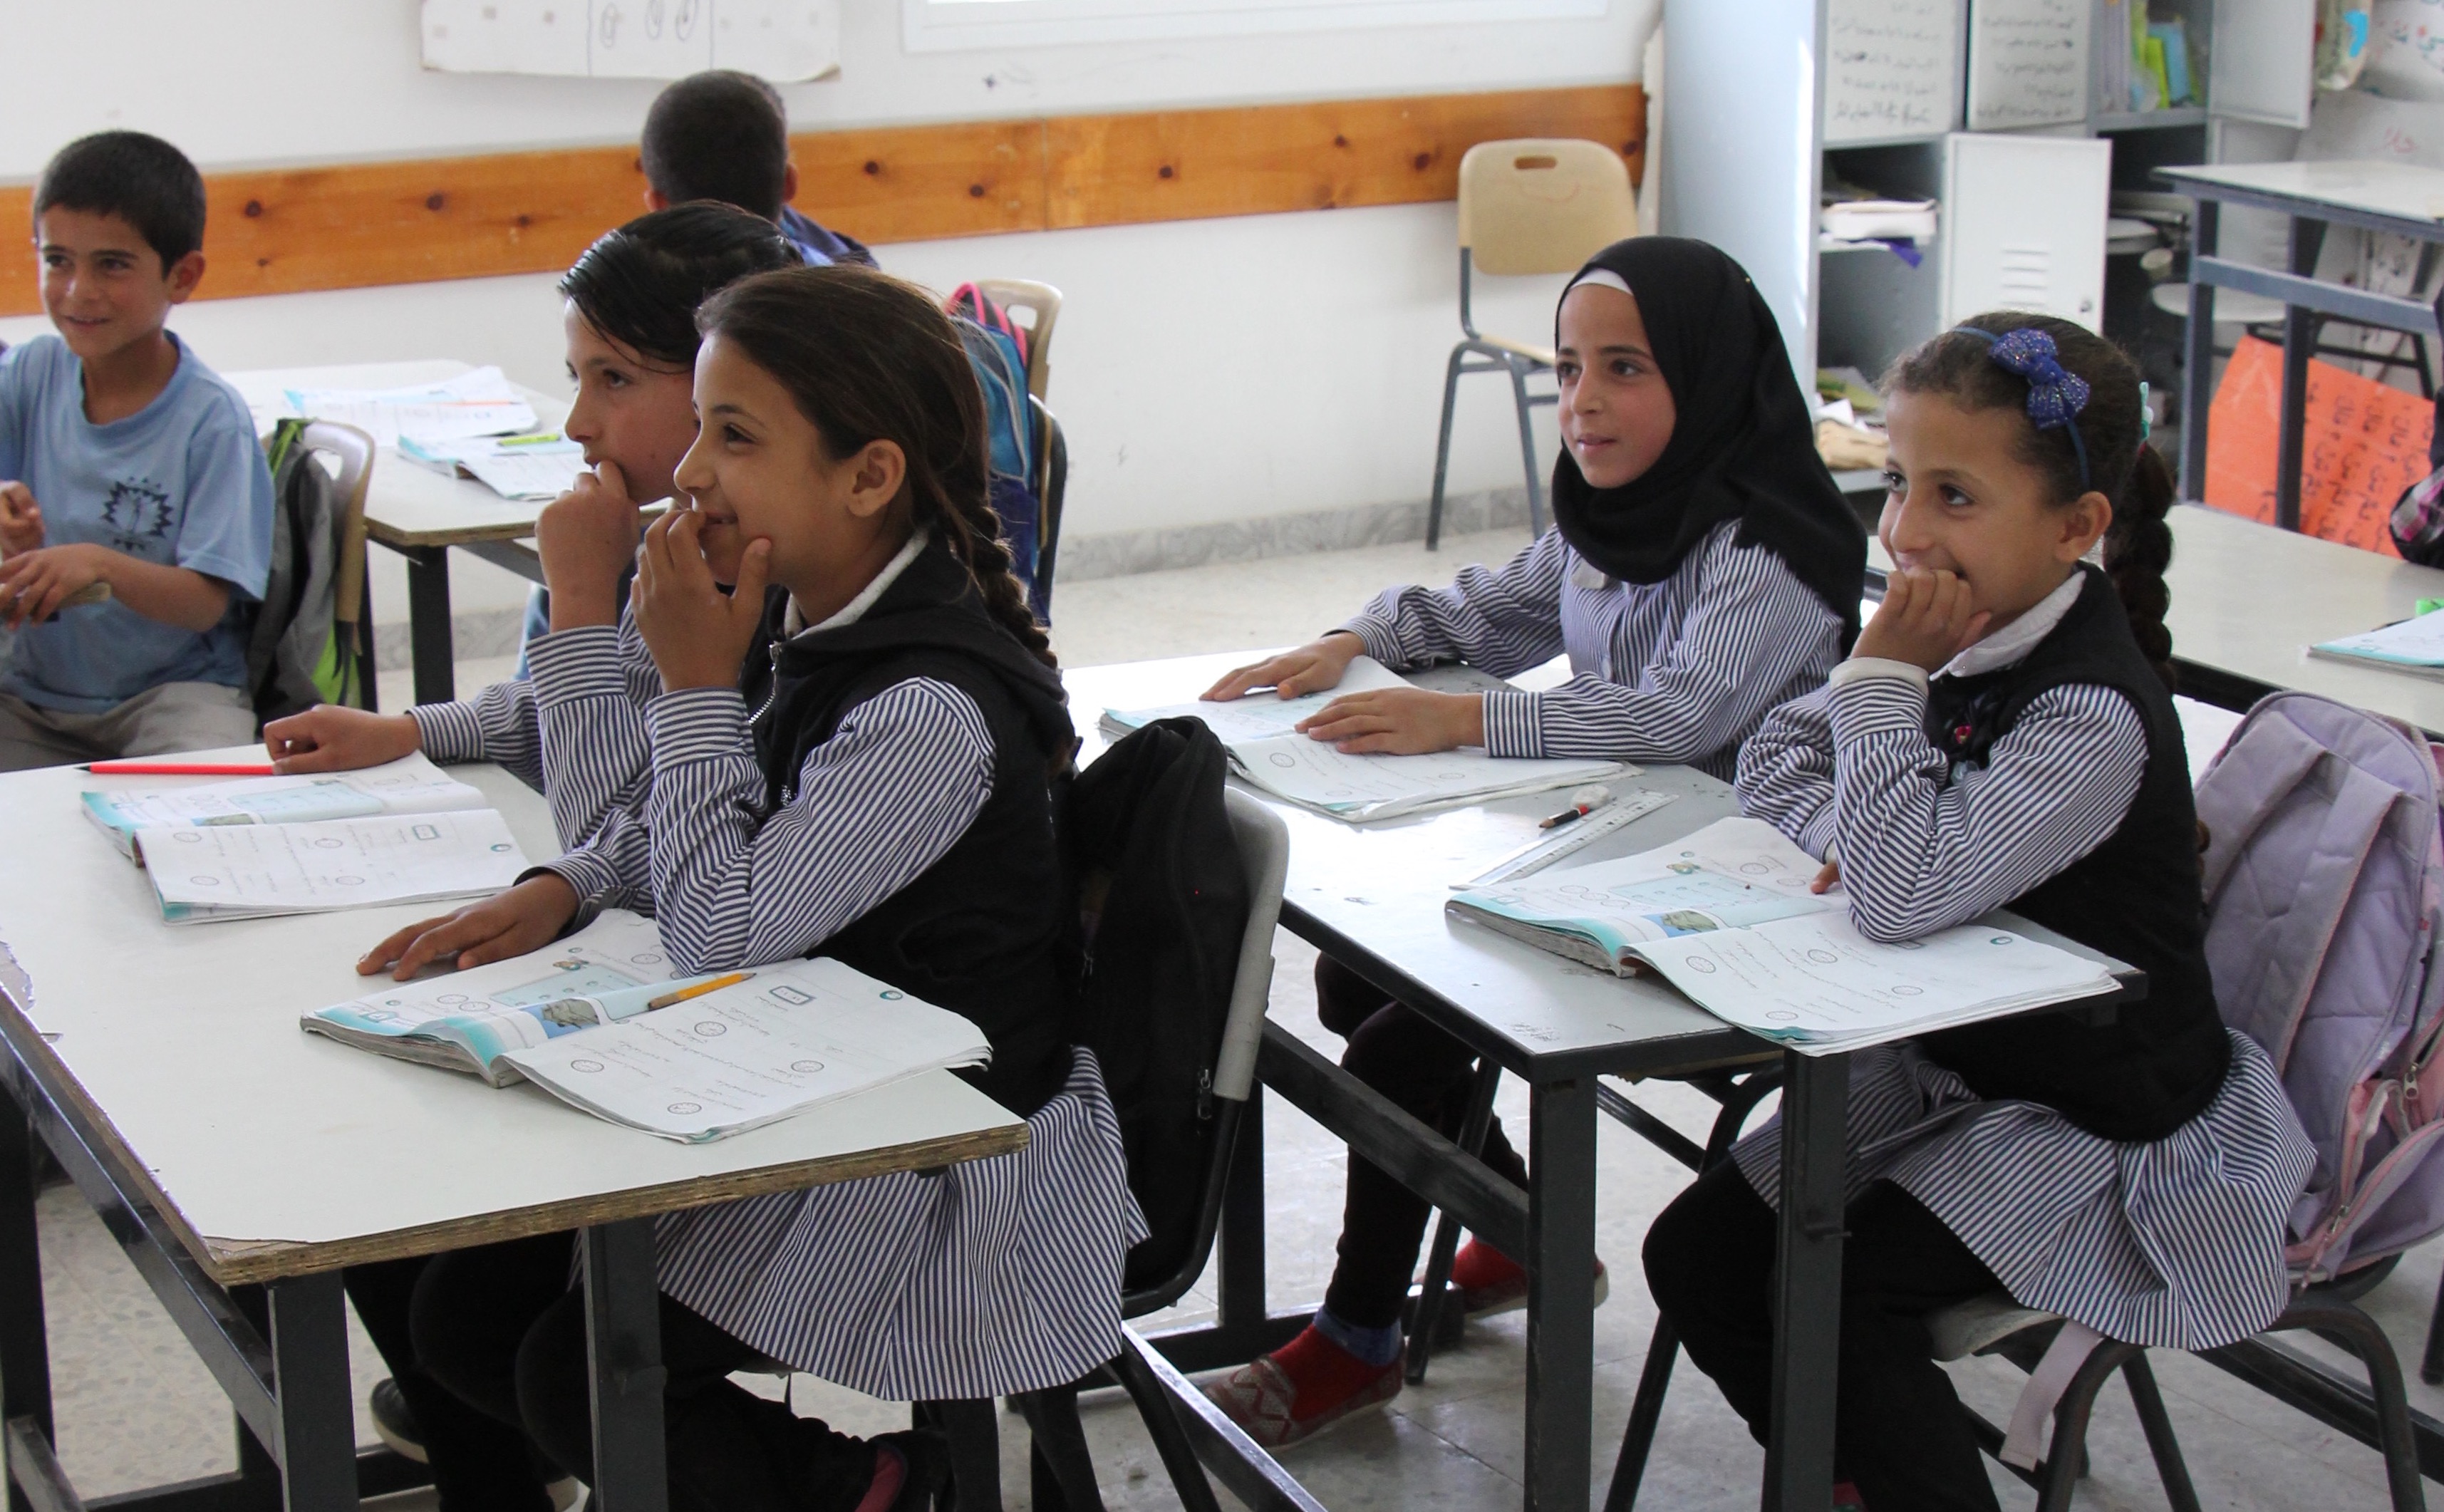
(2305, 297)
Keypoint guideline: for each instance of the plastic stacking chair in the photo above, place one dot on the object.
(1062, 1471)
(1043, 303)
(1525, 206)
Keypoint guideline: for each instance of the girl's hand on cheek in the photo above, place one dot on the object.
(697, 635)
(1399, 722)
(1925, 619)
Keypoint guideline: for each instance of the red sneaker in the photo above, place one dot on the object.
(1301, 1388)
(1491, 1282)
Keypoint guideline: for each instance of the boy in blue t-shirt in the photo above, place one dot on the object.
(124, 462)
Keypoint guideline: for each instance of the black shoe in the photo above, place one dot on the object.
(395, 1421)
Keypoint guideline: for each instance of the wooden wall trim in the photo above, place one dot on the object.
(353, 225)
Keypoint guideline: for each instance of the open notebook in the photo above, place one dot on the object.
(597, 1021)
(2414, 646)
(259, 871)
(409, 785)
(1260, 732)
(1725, 914)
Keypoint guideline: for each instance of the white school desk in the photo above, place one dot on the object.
(418, 512)
(223, 1145)
(2248, 599)
(1373, 897)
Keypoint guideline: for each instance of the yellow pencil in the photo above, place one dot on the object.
(699, 989)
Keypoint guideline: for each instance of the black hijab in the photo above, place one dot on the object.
(1743, 447)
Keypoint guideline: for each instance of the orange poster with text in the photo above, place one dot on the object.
(2363, 443)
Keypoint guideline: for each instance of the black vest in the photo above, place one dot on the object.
(979, 931)
(2137, 897)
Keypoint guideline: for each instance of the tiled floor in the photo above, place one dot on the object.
(135, 1408)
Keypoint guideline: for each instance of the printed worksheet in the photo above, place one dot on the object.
(1263, 714)
(409, 785)
(252, 870)
(476, 403)
(1731, 875)
(2412, 645)
(1317, 776)
(798, 1033)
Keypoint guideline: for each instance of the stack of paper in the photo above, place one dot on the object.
(476, 403)
(719, 1055)
(1260, 732)
(1726, 915)
(257, 871)
(409, 785)
(2414, 646)
(1877, 220)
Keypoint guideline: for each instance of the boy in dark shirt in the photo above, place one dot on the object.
(724, 135)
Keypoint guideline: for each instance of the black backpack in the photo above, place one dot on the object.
(1162, 906)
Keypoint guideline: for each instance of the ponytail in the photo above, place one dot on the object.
(2137, 548)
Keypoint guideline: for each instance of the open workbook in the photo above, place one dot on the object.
(2414, 646)
(1260, 732)
(409, 785)
(597, 1021)
(261, 871)
(1725, 914)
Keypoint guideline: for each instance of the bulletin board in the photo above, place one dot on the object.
(2363, 444)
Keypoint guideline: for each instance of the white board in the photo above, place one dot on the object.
(2027, 62)
(1892, 69)
(781, 40)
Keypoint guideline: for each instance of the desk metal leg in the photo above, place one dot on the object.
(1808, 1286)
(624, 1329)
(428, 623)
(317, 1414)
(1561, 1293)
(1240, 1245)
(2299, 343)
(25, 1339)
(2198, 356)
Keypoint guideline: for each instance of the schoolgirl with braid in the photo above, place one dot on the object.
(2002, 736)
(850, 747)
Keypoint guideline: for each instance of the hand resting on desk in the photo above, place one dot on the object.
(332, 738)
(526, 917)
(1380, 721)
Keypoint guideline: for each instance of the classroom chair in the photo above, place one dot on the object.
(1530, 205)
(1042, 303)
(1062, 1471)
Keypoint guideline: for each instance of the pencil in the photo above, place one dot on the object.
(133, 769)
(715, 984)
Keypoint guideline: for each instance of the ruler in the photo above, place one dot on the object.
(1571, 838)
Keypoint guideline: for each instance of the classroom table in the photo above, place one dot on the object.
(418, 512)
(2248, 599)
(1373, 895)
(240, 1162)
(2399, 199)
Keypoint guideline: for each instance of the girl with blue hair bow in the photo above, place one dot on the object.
(2002, 736)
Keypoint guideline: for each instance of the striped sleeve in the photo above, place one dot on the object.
(1751, 629)
(1786, 774)
(1502, 620)
(1922, 848)
(499, 725)
(591, 687)
(884, 798)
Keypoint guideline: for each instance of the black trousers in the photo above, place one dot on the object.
(1429, 1073)
(503, 1331)
(479, 1463)
(1900, 1433)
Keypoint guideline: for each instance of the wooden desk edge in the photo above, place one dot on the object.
(234, 1261)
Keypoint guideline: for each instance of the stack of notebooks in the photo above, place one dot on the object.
(1725, 916)
(1260, 732)
(596, 1021)
(404, 832)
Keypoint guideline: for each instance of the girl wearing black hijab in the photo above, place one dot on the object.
(1702, 569)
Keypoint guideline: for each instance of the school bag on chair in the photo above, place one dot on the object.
(998, 351)
(2324, 889)
(294, 656)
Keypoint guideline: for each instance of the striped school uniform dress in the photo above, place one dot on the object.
(2173, 1239)
(981, 1279)
(1677, 671)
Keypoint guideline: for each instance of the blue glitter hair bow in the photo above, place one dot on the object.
(2056, 395)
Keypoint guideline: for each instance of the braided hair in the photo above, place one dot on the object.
(868, 358)
(2132, 474)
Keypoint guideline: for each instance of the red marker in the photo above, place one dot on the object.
(135, 768)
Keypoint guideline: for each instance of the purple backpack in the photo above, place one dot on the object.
(2324, 889)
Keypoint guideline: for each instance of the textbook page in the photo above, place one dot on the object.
(253, 871)
(1262, 713)
(412, 785)
(799, 1033)
(2413, 645)
(1316, 775)
(464, 1020)
(476, 403)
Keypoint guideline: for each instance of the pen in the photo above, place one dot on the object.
(181, 768)
(1582, 803)
(731, 980)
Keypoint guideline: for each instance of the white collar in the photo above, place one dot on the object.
(2014, 642)
(851, 612)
